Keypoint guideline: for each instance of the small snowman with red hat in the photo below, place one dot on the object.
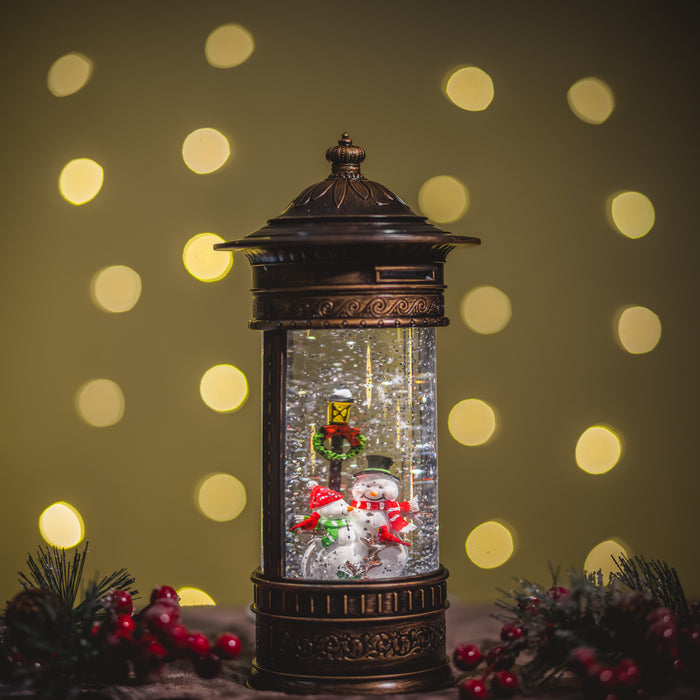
(336, 547)
(377, 516)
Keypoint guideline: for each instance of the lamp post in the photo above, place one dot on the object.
(348, 289)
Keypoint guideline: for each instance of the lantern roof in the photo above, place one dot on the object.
(347, 252)
(345, 208)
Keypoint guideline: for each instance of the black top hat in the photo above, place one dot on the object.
(378, 464)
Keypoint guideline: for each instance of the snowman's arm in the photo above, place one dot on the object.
(409, 506)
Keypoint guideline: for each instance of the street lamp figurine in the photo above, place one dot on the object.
(348, 288)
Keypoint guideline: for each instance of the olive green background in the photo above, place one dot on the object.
(538, 177)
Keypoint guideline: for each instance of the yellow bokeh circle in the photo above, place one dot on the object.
(632, 213)
(486, 310)
(80, 180)
(61, 525)
(600, 557)
(224, 388)
(69, 74)
(228, 46)
(591, 100)
(115, 289)
(443, 199)
(205, 150)
(598, 449)
(100, 403)
(190, 596)
(202, 261)
(489, 545)
(471, 422)
(638, 330)
(470, 88)
(220, 497)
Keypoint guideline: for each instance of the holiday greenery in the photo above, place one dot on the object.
(632, 636)
(54, 641)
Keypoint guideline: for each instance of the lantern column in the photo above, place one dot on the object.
(348, 288)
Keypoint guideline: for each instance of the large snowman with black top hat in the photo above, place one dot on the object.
(378, 518)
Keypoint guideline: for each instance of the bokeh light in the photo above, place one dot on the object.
(632, 214)
(80, 180)
(591, 100)
(224, 388)
(443, 199)
(600, 557)
(228, 46)
(202, 261)
(194, 596)
(205, 150)
(638, 329)
(100, 403)
(470, 88)
(486, 309)
(116, 288)
(471, 422)
(221, 497)
(61, 525)
(489, 545)
(69, 74)
(598, 449)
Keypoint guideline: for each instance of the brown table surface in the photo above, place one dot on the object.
(465, 623)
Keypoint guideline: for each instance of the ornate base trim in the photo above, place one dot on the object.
(371, 637)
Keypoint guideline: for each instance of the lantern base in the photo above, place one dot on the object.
(370, 637)
(420, 682)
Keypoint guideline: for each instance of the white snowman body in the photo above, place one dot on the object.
(377, 488)
(324, 563)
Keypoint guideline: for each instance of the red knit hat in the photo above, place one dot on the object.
(322, 496)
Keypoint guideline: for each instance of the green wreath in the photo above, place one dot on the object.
(320, 438)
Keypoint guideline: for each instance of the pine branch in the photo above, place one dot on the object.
(654, 577)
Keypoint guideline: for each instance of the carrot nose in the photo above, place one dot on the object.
(372, 493)
(350, 508)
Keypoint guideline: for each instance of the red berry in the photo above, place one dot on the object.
(581, 659)
(628, 673)
(510, 633)
(500, 658)
(228, 646)
(124, 626)
(156, 649)
(208, 666)
(95, 629)
(198, 644)
(557, 592)
(164, 593)
(466, 657)
(531, 605)
(472, 688)
(161, 615)
(505, 684)
(122, 603)
(177, 635)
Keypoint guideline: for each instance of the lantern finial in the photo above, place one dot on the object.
(345, 158)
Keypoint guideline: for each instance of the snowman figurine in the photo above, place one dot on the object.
(335, 551)
(378, 520)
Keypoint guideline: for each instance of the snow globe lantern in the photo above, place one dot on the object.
(348, 289)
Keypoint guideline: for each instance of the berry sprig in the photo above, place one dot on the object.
(138, 645)
(498, 660)
(619, 643)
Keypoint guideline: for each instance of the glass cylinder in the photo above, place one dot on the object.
(360, 454)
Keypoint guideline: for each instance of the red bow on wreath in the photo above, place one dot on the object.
(350, 434)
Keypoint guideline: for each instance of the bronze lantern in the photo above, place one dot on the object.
(348, 289)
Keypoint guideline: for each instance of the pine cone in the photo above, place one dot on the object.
(37, 621)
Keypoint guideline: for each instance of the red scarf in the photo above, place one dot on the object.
(392, 508)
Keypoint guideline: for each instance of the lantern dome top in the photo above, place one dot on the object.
(346, 207)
